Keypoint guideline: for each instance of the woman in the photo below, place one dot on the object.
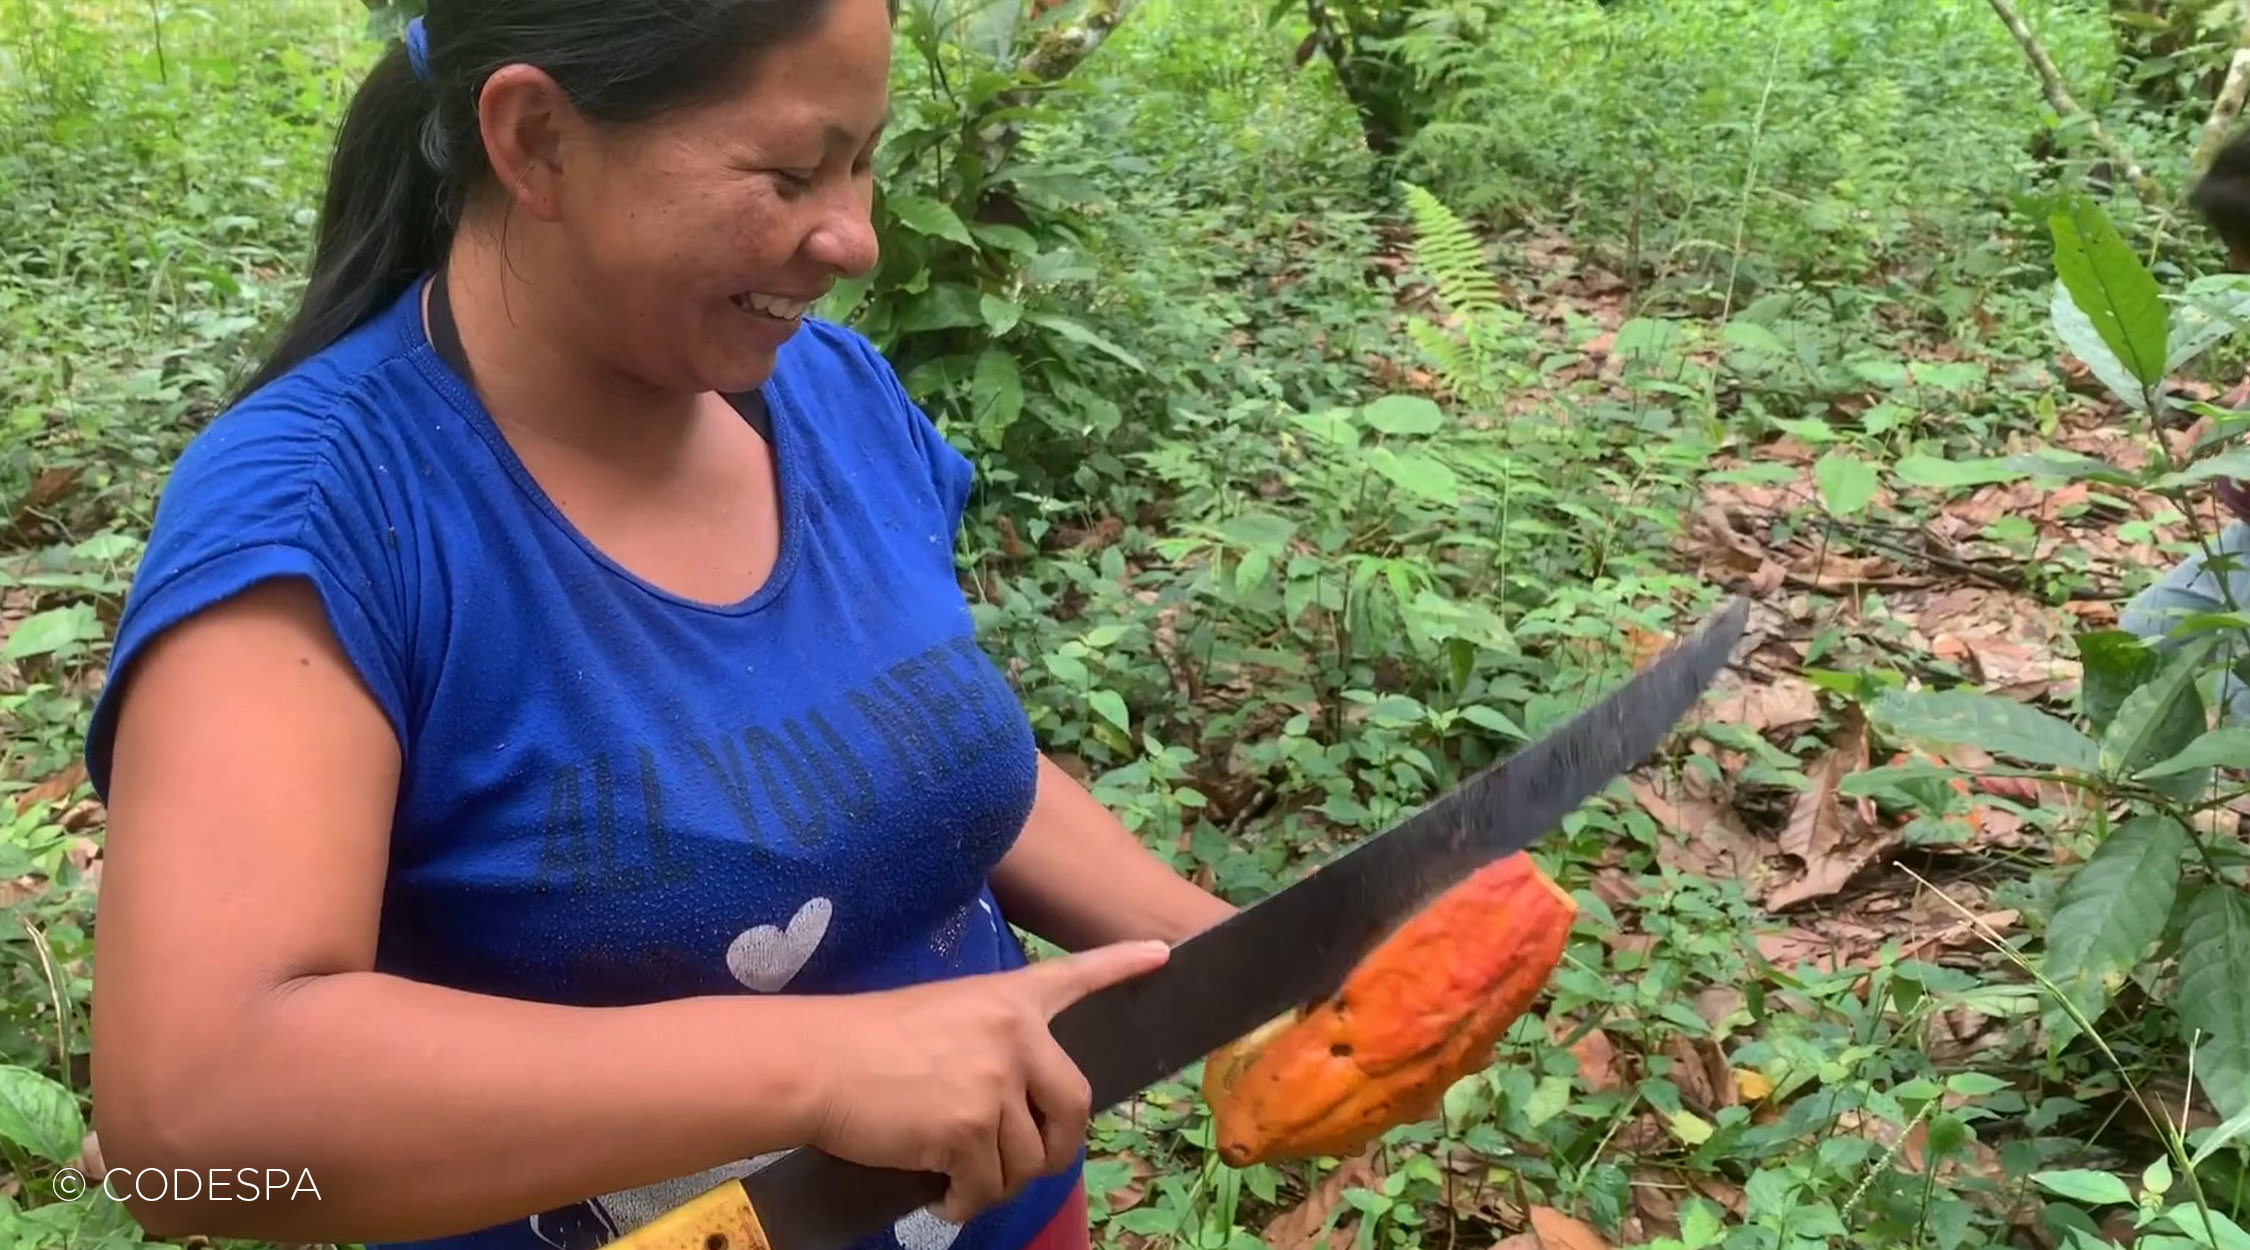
(547, 757)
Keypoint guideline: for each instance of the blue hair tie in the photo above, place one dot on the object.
(418, 49)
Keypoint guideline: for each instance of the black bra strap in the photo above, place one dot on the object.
(445, 337)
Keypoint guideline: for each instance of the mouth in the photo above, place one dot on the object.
(773, 307)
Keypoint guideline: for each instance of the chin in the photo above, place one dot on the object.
(739, 371)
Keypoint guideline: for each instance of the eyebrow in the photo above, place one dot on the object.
(841, 137)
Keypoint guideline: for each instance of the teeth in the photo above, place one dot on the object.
(772, 306)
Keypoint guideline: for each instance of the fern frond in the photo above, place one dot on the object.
(1450, 254)
(1454, 361)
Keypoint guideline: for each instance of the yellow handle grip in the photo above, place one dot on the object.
(719, 1218)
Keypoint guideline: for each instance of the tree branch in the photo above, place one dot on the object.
(2228, 107)
(2050, 81)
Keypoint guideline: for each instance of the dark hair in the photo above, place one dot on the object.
(408, 154)
(2222, 194)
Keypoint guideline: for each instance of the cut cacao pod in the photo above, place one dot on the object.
(1420, 1011)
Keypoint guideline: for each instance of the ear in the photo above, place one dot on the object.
(528, 125)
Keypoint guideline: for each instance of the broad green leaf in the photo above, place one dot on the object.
(2210, 309)
(2086, 1185)
(2116, 292)
(1751, 335)
(1258, 529)
(2115, 663)
(1420, 474)
(1548, 1100)
(39, 1114)
(1974, 1084)
(2083, 340)
(1000, 313)
(1920, 469)
(1330, 425)
(997, 395)
(1078, 333)
(2156, 1178)
(924, 215)
(1404, 414)
(2227, 464)
(44, 633)
(1485, 717)
(2216, 1233)
(2156, 722)
(945, 306)
(2219, 1138)
(1251, 572)
(2070, 466)
(1068, 668)
(2108, 913)
(2212, 1002)
(2227, 747)
(1111, 707)
(1999, 725)
(1847, 482)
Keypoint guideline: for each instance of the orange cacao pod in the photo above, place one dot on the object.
(1422, 1010)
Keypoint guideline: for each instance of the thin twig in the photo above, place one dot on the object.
(2058, 95)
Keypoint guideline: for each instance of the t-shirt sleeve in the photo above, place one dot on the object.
(268, 490)
(951, 473)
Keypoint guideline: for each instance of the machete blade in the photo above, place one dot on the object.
(1290, 948)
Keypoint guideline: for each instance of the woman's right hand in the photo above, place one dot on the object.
(947, 1077)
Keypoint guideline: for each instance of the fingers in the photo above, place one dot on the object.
(1057, 983)
(1023, 1153)
(978, 1177)
(1064, 1099)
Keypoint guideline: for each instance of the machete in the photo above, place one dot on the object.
(1288, 949)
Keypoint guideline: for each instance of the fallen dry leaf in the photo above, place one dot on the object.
(1778, 703)
(54, 789)
(1834, 840)
(1560, 1232)
(1700, 1071)
(1795, 946)
(1596, 1056)
(1299, 1228)
(1708, 838)
(1134, 1190)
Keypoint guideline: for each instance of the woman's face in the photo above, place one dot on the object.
(691, 245)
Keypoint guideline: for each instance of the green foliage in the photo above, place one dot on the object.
(1738, 145)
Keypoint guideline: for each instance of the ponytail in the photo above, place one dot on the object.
(385, 217)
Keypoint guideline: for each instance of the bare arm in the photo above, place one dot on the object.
(1078, 878)
(239, 1025)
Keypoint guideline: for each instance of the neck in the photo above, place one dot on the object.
(536, 371)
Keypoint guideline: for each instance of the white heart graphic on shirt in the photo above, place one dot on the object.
(925, 1231)
(765, 958)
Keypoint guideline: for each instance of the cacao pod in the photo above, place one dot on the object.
(1420, 1011)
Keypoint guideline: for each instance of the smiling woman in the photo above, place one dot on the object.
(548, 760)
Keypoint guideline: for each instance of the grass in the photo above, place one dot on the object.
(1414, 462)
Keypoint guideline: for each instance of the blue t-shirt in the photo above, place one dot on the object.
(611, 794)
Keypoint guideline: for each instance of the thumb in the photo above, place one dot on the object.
(1057, 983)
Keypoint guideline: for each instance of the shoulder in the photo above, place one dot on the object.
(299, 479)
(833, 361)
(860, 397)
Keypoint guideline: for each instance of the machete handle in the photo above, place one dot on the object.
(719, 1218)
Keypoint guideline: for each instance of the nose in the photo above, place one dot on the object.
(845, 239)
